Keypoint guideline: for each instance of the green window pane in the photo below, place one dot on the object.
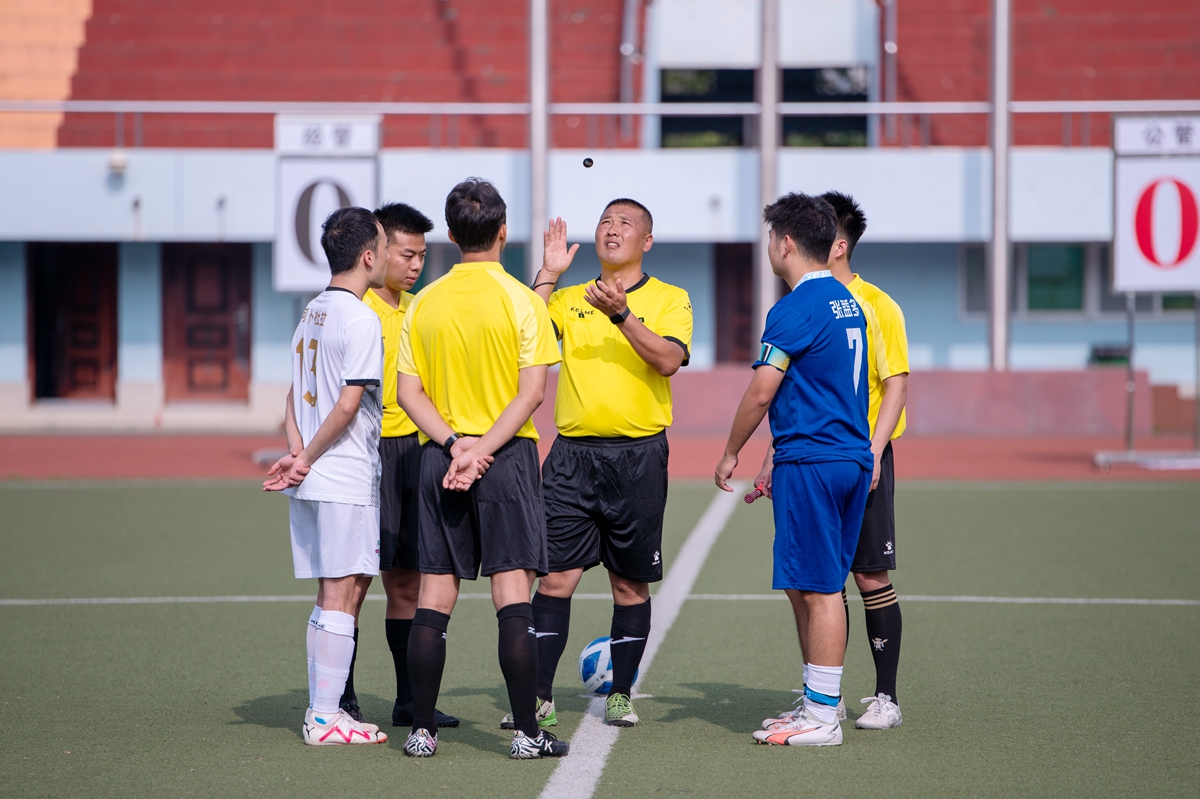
(1178, 302)
(1055, 275)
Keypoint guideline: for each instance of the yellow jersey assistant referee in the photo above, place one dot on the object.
(876, 553)
(605, 480)
(474, 352)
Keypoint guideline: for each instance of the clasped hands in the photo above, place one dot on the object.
(465, 468)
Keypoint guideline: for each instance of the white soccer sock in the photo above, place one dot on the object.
(311, 636)
(806, 674)
(333, 649)
(825, 680)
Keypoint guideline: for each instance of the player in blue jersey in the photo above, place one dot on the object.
(812, 374)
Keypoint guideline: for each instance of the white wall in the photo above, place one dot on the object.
(701, 195)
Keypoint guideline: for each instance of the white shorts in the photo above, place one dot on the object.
(331, 539)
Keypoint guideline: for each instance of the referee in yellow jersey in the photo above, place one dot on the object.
(474, 352)
(605, 481)
(876, 553)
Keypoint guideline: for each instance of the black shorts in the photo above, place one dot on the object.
(401, 457)
(498, 525)
(877, 542)
(605, 499)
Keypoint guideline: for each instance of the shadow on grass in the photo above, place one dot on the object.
(734, 707)
(286, 711)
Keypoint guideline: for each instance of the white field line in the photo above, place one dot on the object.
(576, 776)
(997, 600)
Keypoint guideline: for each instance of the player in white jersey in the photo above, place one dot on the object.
(332, 469)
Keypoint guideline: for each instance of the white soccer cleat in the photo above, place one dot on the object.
(882, 714)
(420, 744)
(788, 715)
(339, 730)
(803, 730)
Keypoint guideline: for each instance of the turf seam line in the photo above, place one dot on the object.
(577, 776)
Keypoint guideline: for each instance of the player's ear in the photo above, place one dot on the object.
(648, 243)
(502, 236)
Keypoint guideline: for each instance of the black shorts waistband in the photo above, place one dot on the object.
(513, 442)
(614, 441)
(408, 437)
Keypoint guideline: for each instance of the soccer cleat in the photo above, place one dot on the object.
(339, 729)
(402, 716)
(882, 714)
(352, 710)
(546, 717)
(803, 730)
(420, 744)
(544, 745)
(788, 715)
(618, 711)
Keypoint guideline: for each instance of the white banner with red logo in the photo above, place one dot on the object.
(1156, 224)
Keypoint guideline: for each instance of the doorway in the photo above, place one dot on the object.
(206, 321)
(73, 299)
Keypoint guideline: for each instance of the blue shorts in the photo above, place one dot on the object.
(818, 515)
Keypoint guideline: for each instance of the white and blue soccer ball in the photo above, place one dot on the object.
(595, 666)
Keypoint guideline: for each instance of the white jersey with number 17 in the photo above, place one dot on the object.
(339, 342)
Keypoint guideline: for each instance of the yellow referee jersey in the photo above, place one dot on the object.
(604, 387)
(466, 335)
(895, 346)
(395, 420)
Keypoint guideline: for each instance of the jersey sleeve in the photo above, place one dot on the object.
(788, 333)
(895, 337)
(675, 323)
(557, 308)
(406, 362)
(876, 349)
(362, 361)
(537, 344)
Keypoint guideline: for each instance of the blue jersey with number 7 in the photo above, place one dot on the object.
(817, 336)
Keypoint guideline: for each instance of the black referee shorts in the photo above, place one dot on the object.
(401, 457)
(877, 542)
(605, 499)
(498, 525)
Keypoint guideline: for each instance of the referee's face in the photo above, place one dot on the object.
(406, 260)
(621, 236)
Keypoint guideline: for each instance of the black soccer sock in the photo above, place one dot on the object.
(397, 631)
(552, 620)
(518, 651)
(630, 628)
(348, 695)
(846, 606)
(426, 660)
(883, 633)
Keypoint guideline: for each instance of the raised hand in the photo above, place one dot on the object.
(556, 256)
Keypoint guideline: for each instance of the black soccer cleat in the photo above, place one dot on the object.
(351, 708)
(544, 745)
(402, 716)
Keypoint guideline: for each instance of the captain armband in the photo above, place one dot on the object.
(773, 356)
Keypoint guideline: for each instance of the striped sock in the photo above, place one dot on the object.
(884, 625)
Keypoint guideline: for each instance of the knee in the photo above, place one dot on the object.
(627, 592)
(556, 585)
(872, 581)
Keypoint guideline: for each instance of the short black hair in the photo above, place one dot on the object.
(809, 221)
(851, 221)
(348, 233)
(402, 218)
(634, 204)
(475, 211)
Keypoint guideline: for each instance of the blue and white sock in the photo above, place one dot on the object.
(822, 693)
(310, 639)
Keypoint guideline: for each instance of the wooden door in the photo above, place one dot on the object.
(206, 321)
(73, 293)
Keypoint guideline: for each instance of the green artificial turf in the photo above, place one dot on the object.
(998, 699)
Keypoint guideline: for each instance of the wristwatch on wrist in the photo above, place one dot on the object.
(618, 318)
(450, 442)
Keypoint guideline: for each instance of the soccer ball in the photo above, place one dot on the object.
(595, 667)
